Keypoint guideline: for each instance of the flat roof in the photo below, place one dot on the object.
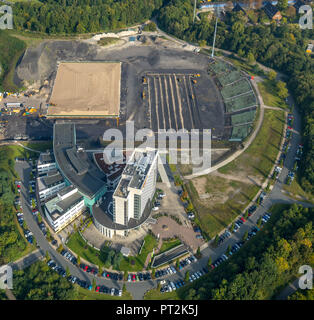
(86, 89)
(49, 181)
(89, 181)
(57, 207)
(45, 158)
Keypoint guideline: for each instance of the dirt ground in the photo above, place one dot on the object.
(39, 64)
(86, 89)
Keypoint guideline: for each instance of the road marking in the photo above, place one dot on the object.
(179, 100)
(167, 100)
(162, 102)
(156, 103)
(188, 102)
(173, 102)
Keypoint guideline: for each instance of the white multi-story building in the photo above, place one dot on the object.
(64, 208)
(49, 185)
(46, 162)
(136, 187)
(129, 206)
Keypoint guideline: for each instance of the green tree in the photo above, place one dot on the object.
(67, 271)
(216, 239)
(282, 4)
(250, 58)
(272, 75)
(209, 262)
(177, 264)
(124, 288)
(246, 214)
(259, 222)
(282, 89)
(187, 276)
(153, 273)
(228, 249)
(78, 260)
(245, 235)
(232, 226)
(47, 256)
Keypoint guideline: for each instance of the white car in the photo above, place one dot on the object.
(112, 291)
(120, 293)
(155, 208)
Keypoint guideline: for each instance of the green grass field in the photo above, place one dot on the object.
(167, 245)
(267, 89)
(77, 244)
(260, 156)
(226, 200)
(137, 263)
(84, 294)
(155, 294)
(223, 198)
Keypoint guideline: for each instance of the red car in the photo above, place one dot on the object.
(97, 288)
(213, 267)
(85, 268)
(133, 278)
(242, 219)
(18, 186)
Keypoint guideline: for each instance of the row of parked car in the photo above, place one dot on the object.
(69, 256)
(139, 276)
(157, 203)
(171, 286)
(196, 275)
(171, 269)
(82, 283)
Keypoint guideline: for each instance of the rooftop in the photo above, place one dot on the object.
(57, 207)
(49, 181)
(45, 158)
(77, 166)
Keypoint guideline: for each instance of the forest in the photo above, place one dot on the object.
(266, 263)
(82, 16)
(279, 47)
(39, 282)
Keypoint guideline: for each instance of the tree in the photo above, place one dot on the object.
(153, 273)
(250, 58)
(198, 252)
(99, 270)
(216, 239)
(282, 89)
(228, 249)
(202, 43)
(209, 262)
(187, 276)
(78, 260)
(272, 75)
(67, 271)
(259, 222)
(282, 4)
(47, 256)
(245, 235)
(124, 288)
(246, 214)
(232, 226)
(177, 264)
(94, 283)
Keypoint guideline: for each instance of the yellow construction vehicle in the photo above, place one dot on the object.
(143, 95)
(144, 80)
(194, 81)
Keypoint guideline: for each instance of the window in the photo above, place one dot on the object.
(137, 206)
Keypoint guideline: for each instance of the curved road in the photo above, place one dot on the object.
(138, 289)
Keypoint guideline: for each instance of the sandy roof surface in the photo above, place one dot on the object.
(86, 89)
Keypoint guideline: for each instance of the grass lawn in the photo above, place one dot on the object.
(167, 245)
(155, 294)
(225, 200)
(137, 263)
(296, 191)
(77, 244)
(84, 294)
(107, 40)
(260, 156)
(267, 89)
(218, 200)
(40, 146)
